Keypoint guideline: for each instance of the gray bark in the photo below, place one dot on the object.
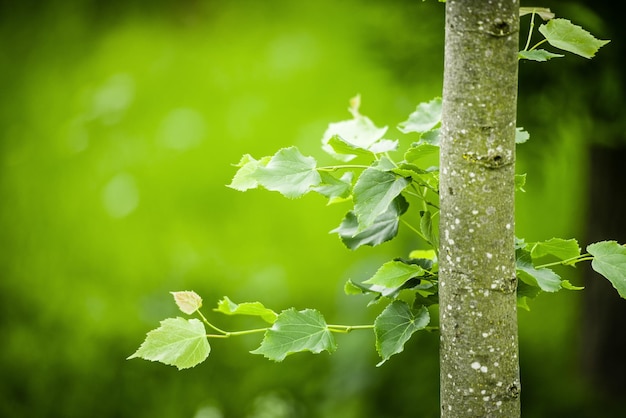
(478, 311)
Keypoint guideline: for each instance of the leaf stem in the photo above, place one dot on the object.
(211, 325)
(530, 30)
(537, 44)
(412, 228)
(246, 332)
(348, 328)
(227, 334)
(569, 262)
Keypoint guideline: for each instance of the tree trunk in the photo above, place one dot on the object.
(478, 310)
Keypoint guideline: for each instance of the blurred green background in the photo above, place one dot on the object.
(119, 125)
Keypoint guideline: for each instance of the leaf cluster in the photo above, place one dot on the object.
(381, 185)
(378, 187)
(379, 190)
(559, 33)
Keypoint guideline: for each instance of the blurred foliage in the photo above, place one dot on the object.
(119, 125)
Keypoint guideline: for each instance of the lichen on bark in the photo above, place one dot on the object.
(478, 313)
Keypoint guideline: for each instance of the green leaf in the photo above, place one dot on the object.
(352, 288)
(425, 118)
(388, 292)
(394, 274)
(545, 13)
(539, 55)
(424, 254)
(394, 327)
(360, 133)
(244, 177)
(339, 146)
(289, 173)
(407, 170)
(563, 34)
(420, 150)
(430, 179)
(384, 228)
(610, 261)
(384, 145)
(384, 164)
(544, 278)
(567, 285)
(228, 307)
(426, 299)
(431, 137)
(426, 227)
(563, 249)
(334, 188)
(177, 342)
(524, 293)
(188, 302)
(296, 331)
(520, 182)
(521, 135)
(373, 193)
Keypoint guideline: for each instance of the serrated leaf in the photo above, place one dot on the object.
(359, 132)
(187, 301)
(334, 188)
(352, 288)
(228, 307)
(563, 249)
(394, 274)
(289, 173)
(524, 293)
(384, 228)
(384, 164)
(431, 137)
(544, 278)
(407, 170)
(384, 145)
(388, 292)
(394, 327)
(430, 179)
(340, 146)
(539, 55)
(419, 151)
(563, 34)
(244, 177)
(373, 193)
(425, 299)
(177, 342)
(296, 331)
(427, 229)
(545, 13)
(425, 118)
(609, 259)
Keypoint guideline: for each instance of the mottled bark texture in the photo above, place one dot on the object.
(478, 312)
